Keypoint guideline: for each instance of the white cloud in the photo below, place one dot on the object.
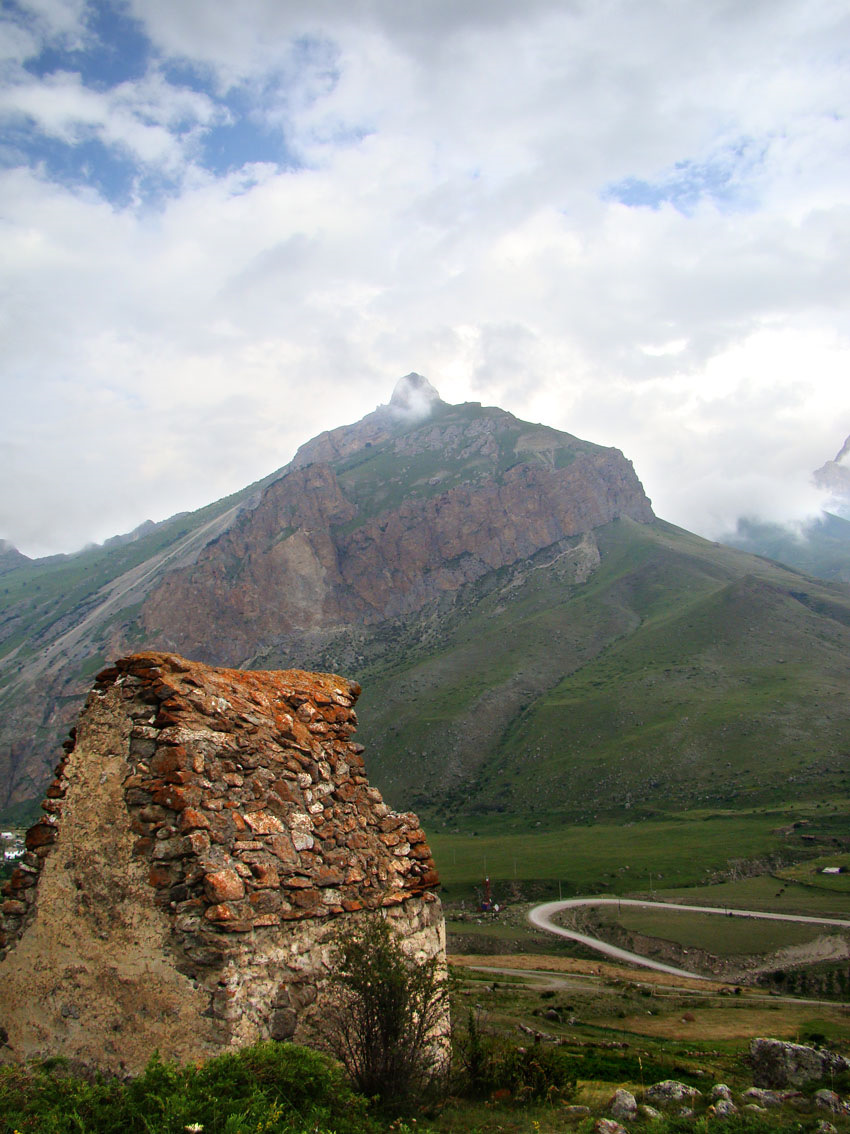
(450, 217)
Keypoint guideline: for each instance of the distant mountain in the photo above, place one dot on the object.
(10, 557)
(834, 477)
(819, 545)
(530, 638)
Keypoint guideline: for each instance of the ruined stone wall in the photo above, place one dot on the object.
(208, 835)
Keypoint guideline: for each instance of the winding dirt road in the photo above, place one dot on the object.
(541, 917)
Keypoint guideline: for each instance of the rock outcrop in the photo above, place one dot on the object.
(208, 834)
(377, 520)
(777, 1063)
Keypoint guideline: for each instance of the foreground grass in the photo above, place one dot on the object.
(602, 1027)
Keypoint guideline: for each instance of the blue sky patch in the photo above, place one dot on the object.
(90, 164)
(116, 50)
(722, 180)
(247, 124)
(232, 145)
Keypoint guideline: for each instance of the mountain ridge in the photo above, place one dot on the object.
(520, 621)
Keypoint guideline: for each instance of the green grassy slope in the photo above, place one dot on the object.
(682, 674)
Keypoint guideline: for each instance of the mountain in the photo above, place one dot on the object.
(10, 557)
(834, 476)
(820, 545)
(530, 639)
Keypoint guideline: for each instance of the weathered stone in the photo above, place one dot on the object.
(725, 1108)
(608, 1126)
(623, 1104)
(777, 1063)
(828, 1099)
(671, 1091)
(762, 1097)
(223, 886)
(40, 835)
(262, 823)
(191, 817)
(650, 1113)
(203, 848)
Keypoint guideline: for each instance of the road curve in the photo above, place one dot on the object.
(541, 916)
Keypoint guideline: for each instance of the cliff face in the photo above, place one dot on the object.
(207, 835)
(377, 520)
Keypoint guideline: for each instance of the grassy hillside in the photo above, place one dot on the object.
(682, 674)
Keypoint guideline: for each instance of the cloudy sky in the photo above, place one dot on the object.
(226, 227)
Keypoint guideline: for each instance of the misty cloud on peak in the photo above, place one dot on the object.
(413, 398)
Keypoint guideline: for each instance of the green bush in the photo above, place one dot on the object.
(269, 1088)
(490, 1064)
(386, 1015)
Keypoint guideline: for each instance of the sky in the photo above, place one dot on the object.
(226, 227)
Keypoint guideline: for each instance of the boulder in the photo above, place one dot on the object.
(608, 1126)
(762, 1097)
(776, 1063)
(649, 1113)
(670, 1091)
(725, 1108)
(829, 1100)
(623, 1104)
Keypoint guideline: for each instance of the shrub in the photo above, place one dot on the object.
(534, 1073)
(267, 1087)
(387, 1016)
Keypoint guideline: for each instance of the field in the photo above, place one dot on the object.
(723, 936)
(671, 855)
(631, 1028)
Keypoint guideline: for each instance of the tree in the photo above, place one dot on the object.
(388, 1016)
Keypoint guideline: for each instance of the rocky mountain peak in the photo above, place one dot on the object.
(834, 477)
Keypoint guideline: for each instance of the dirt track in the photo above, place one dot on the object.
(540, 916)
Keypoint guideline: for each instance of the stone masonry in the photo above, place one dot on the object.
(208, 834)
